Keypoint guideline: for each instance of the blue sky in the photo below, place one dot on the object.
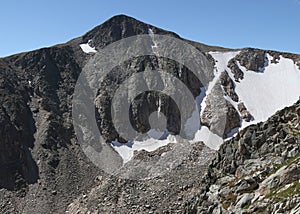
(267, 24)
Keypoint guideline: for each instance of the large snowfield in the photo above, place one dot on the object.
(266, 92)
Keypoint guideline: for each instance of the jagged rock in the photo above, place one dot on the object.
(237, 72)
(233, 119)
(244, 200)
(276, 57)
(228, 86)
(246, 185)
(38, 146)
(252, 59)
(17, 129)
(244, 112)
(262, 180)
(219, 115)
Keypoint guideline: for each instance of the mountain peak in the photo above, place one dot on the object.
(121, 18)
(119, 27)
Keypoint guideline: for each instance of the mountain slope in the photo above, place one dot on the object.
(43, 169)
(254, 172)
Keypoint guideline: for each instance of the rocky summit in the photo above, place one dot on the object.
(242, 157)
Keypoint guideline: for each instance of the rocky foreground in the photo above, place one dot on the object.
(257, 171)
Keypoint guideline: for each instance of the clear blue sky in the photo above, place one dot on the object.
(268, 24)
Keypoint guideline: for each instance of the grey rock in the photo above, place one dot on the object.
(237, 72)
(228, 86)
(244, 200)
(252, 59)
(244, 112)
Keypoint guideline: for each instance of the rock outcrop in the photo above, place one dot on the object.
(257, 171)
(219, 114)
(17, 128)
(237, 72)
(252, 59)
(228, 86)
(244, 112)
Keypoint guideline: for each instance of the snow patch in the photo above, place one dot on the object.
(222, 58)
(86, 48)
(192, 124)
(126, 150)
(210, 139)
(154, 46)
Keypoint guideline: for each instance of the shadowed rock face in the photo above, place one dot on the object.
(237, 72)
(146, 103)
(37, 144)
(40, 159)
(228, 86)
(17, 129)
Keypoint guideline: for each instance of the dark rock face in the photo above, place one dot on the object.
(228, 86)
(37, 144)
(244, 112)
(146, 103)
(117, 28)
(276, 57)
(237, 72)
(255, 59)
(17, 128)
(252, 59)
(233, 119)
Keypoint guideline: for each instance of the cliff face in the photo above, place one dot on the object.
(44, 170)
(39, 157)
(17, 129)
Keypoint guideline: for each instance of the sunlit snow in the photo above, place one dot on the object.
(154, 46)
(86, 48)
(265, 92)
(126, 150)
